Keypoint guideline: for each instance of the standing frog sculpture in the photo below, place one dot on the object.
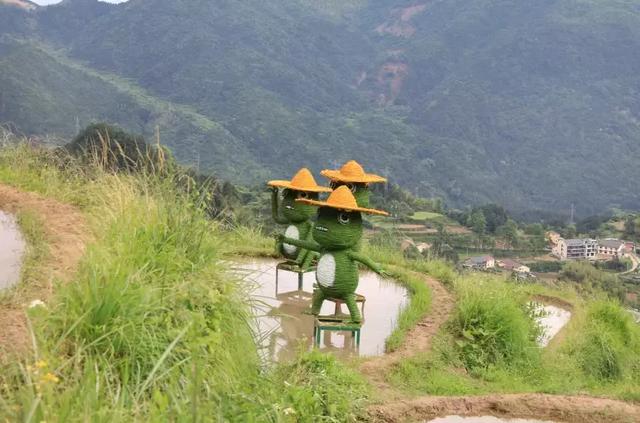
(353, 176)
(296, 215)
(336, 234)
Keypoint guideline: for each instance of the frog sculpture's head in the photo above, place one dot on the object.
(337, 229)
(339, 223)
(302, 187)
(359, 190)
(295, 211)
(353, 176)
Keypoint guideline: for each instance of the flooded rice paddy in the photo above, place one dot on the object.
(12, 247)
(552, 319)
(284, 329)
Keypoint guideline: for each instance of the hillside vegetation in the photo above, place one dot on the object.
(533, 105)
(152, 326)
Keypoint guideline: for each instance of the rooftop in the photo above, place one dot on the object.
(611, 243)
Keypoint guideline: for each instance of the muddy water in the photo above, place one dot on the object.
(552, 320)
(12, 248)
(284, 329)
(484, 419)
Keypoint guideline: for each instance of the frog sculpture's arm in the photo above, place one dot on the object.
(302, 243)
(274, 208)
(367, 262)
(305, 257)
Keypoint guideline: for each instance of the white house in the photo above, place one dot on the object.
(512, 265)
(610, 248)
(480, 262)
(576, 249)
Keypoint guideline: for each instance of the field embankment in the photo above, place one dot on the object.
(57, 233)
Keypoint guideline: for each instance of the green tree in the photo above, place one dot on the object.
(477, 222)
(630, 227)
(509, 232)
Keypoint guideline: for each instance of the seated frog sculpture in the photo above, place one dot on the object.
(297, 216)
(353, 176)
(336, 234)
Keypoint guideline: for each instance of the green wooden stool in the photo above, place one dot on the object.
(290, 266)
(338, 324)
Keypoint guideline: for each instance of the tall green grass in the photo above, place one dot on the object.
(153, 327)
(489, 346)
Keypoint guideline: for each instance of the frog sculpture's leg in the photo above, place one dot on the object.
(352, 305)
(318, 298)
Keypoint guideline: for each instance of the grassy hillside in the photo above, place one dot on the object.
(54, 95)
(531, 105)
(152, 326)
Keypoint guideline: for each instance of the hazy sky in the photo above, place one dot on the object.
(45, 2)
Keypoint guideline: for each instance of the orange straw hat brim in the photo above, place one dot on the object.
(342, 207)
(367, 178)
(287, 184)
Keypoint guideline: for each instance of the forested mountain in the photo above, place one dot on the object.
(528, 104)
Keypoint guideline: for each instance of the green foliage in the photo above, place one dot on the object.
(317, 385)
(152, 326)
(116, 150)
(608, 349)
(596, 352)
(477, 222)
(489, 107)
(546, 266)
(590, 279)
(492, 326)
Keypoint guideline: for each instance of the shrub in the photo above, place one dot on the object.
(492, 325)
(608, 349)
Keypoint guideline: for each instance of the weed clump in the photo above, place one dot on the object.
(608, 348)
(492, 325)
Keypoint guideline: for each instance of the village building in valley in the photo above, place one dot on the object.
(590, 249)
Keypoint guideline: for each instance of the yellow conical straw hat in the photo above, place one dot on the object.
(303, 181)
(342, 199)
(352, 172)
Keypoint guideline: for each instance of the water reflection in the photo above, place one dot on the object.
(12, 248)
(552, 319)
(284, 328)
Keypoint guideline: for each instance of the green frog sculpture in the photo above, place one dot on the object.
(353, 176)
(336, 234)
(296, 215)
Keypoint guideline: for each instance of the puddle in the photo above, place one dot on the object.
(284, 329)
(484, 419)
(635, 314)
(12, 248)
(552, 319)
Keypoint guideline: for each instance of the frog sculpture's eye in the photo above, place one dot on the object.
(352, 187)
(335, 184)
(344, 218)
(303, 195)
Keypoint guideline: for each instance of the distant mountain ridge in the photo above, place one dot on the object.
(529, 104)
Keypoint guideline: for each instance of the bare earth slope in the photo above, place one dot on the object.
(66, 235)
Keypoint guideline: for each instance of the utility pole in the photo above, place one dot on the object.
(573, 211)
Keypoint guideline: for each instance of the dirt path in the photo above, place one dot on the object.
(560, 408)
(66, 234)
(417, 340)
